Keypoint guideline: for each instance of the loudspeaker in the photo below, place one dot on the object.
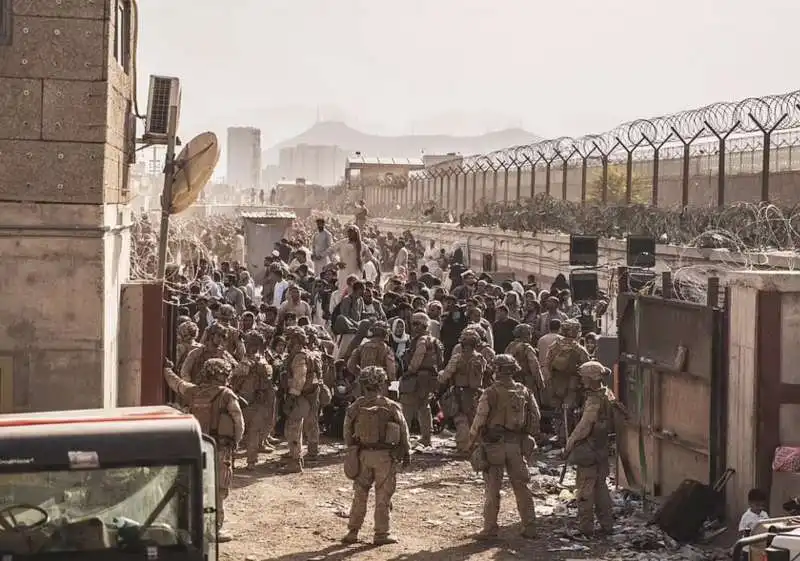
(582, 251)
(584, 286)
(641, 251)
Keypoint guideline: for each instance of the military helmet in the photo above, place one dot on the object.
(470, 337)
(216, 371)
(296, 334)
(364, 326)
(227, 312)
(505, 365)
(420, 319)
(523, 331)
(571, 329)
(216, 329)
(311, 334)
(380, 329)
(372, 377)
(593, 370)
(477, 328)
(188, 330)
(253, 337)
(182, 319)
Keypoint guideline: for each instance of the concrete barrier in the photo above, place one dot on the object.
(547, 255)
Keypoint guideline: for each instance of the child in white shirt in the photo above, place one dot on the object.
(757, 502)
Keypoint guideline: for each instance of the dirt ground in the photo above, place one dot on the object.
(436, 509)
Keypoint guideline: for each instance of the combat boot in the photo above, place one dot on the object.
(350, 537)
(529, 533)
(384, 539)
(486, 534)
(293, 466)
(223, 536)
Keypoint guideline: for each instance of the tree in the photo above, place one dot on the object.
(641, 187)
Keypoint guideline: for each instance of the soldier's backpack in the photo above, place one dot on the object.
(513, 404)
(313, 371)
(565, 357)
(373, 353)
(517, 350)
(474, 367)
(205, 406)
(373, 426)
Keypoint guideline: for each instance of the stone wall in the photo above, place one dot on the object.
(65, 94)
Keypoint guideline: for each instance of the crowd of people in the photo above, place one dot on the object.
(372, 338)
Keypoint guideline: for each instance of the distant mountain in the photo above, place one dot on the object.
(335, 133)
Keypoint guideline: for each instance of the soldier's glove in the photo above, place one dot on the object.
(168, 363)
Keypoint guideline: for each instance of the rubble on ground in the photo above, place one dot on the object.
(634, 538)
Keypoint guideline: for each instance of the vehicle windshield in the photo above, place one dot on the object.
(89, 510)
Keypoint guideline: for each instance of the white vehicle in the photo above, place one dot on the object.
(776, 539)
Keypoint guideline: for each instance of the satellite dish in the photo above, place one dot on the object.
(194, 168)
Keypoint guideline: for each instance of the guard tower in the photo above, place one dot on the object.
(66, 140)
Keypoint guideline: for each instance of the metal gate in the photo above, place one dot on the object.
(671, 377)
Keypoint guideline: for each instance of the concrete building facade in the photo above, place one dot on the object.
(244, 157)
(66, 141)
(322, 165)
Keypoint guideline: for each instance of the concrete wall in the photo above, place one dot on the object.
(546, 255)
(64, 106)
(763, 383)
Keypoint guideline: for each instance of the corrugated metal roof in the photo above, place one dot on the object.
(356, 161)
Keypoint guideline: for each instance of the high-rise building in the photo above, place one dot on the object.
(322, 165)
(244, 157)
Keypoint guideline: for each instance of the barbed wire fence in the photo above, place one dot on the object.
(757, 137)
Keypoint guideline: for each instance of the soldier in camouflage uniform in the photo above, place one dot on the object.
(466, 371)
(374, 352)
(486, 350)
(507, 422)
(217, 410)
(252, 380)
(419, 381)
(522, 350)
(564, 357)
(374, 424)
(226, 316)
(187, 342)
(588, 449)
(215, 337)
(301, 382)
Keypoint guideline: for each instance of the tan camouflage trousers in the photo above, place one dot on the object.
(591, 493)
(224, 478)
(379, 469)
(563, 393)
(303, 420)
(419, 408)
(256, 421)
(468, 403)
(502, 457)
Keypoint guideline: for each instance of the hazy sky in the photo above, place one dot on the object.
(462, 66)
